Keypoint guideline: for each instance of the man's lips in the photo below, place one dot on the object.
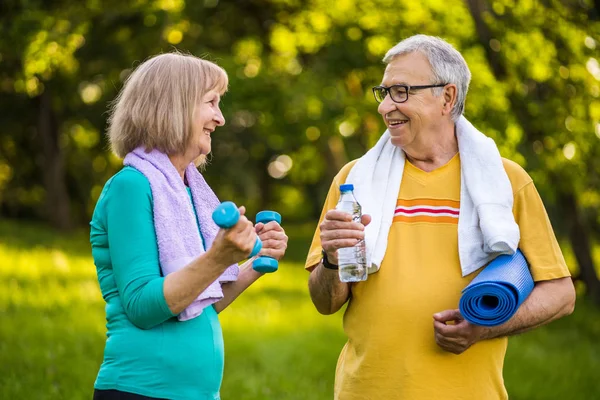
(394, 123)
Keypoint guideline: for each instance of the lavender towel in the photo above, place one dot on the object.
(176, 230)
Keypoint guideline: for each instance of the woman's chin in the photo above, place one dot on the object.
(204, 149)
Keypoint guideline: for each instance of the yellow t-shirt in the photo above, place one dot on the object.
(391, 351)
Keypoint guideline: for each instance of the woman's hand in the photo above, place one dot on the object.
(229, 247)
(274, 240)
(236, 243)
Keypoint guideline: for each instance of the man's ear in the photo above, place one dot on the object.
(449, 96)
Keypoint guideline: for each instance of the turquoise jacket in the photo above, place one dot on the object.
(148, 350)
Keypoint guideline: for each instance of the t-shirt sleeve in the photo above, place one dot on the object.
(538, 242)
(314, 253)
(134, 250)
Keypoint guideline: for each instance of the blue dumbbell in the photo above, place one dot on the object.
(227, 215)
(265, 263)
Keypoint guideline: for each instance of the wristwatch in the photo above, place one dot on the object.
(326, 262)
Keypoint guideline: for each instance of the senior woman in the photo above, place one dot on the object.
(165, 269)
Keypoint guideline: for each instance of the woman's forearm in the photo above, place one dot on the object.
(182, 287)
(232, 290)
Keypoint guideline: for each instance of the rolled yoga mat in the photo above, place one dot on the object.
(497, 292)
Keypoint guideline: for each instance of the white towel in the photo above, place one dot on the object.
(486, 225)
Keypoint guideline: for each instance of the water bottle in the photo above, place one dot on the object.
(352, 261)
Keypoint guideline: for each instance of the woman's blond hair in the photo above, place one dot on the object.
(156, 105)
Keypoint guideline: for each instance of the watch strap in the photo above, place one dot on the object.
(326, 262)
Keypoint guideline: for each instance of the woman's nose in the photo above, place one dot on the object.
(219, 118)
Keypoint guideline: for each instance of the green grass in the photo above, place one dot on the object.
(277, 345)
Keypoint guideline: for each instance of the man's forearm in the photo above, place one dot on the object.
(327, 292)
(549, 300)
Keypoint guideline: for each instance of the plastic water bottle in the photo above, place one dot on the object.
(352, 261)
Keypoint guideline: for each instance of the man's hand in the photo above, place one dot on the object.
(339, 231)
(457, 336)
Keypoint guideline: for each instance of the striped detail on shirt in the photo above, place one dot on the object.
(427, 210)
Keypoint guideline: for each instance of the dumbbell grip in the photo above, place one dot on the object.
(266, 264)
(226, 215)
(257, 247)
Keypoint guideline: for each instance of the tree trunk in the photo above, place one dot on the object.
(53, 166)
(595, 12)
(337, 154)
(265, 184)
(477, 8)
(580, 242)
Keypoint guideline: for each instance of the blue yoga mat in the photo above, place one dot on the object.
(498, 291)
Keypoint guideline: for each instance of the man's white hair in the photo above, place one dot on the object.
(447, 64)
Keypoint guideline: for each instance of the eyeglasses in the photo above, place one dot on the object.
(399, 93)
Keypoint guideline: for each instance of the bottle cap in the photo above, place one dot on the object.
(346, 187)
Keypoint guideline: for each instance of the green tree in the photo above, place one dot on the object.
(543, 53)
(299, 105)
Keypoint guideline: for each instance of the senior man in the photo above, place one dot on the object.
(439, 204)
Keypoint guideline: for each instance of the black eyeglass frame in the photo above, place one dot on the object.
(407, 87)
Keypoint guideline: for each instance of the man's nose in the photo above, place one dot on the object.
(386, 106)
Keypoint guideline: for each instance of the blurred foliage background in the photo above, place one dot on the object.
(299, 107)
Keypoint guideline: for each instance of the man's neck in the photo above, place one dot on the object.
(435, 154)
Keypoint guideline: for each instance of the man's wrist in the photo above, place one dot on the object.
(326, 263)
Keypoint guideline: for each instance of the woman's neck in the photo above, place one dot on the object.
(180, 163)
